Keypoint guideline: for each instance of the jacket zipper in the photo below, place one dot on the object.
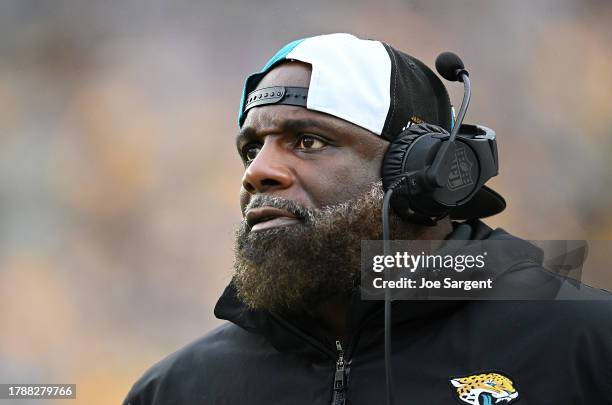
(339, 397)
(339, 378)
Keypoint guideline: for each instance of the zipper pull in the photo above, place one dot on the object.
(339, 378)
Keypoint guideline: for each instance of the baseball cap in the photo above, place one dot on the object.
(370, 84)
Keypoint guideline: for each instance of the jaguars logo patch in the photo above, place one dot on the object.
(485, 389)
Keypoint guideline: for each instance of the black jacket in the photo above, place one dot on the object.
(469, 352)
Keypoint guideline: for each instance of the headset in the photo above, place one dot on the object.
(431, 171)
(428, 171)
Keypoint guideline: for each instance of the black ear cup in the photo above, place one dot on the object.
(409, 158)
(395, 159)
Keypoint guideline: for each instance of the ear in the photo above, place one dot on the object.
(456, 383)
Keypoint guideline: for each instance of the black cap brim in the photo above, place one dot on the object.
(485, 203)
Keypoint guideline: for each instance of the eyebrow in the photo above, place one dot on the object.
(286, 125)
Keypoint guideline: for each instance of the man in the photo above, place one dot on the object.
(298, 331)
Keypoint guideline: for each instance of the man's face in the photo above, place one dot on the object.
(308, 157)
(310, 193)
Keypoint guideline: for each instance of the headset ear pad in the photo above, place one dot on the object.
(395, 163)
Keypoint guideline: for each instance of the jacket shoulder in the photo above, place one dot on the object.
(192, 369)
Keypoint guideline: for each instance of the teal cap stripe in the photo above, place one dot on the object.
(280, 55)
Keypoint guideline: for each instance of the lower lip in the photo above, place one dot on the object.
(273, 223)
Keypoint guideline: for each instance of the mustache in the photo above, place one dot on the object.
(296, 209)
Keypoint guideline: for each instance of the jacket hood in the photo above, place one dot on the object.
(301, 332)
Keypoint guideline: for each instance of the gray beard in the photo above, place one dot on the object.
(297, 267)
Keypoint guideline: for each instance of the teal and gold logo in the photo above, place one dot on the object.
(485, 389)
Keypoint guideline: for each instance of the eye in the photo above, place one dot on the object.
(310, 142)
(250, 151)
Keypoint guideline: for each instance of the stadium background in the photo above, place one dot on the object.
(119, 178)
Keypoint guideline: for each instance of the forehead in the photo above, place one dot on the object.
(291, 73)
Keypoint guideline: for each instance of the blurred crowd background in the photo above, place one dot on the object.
(119, 178)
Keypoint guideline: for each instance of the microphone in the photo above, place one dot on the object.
(450, 67)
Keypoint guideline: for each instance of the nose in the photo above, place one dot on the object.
(268, 171)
